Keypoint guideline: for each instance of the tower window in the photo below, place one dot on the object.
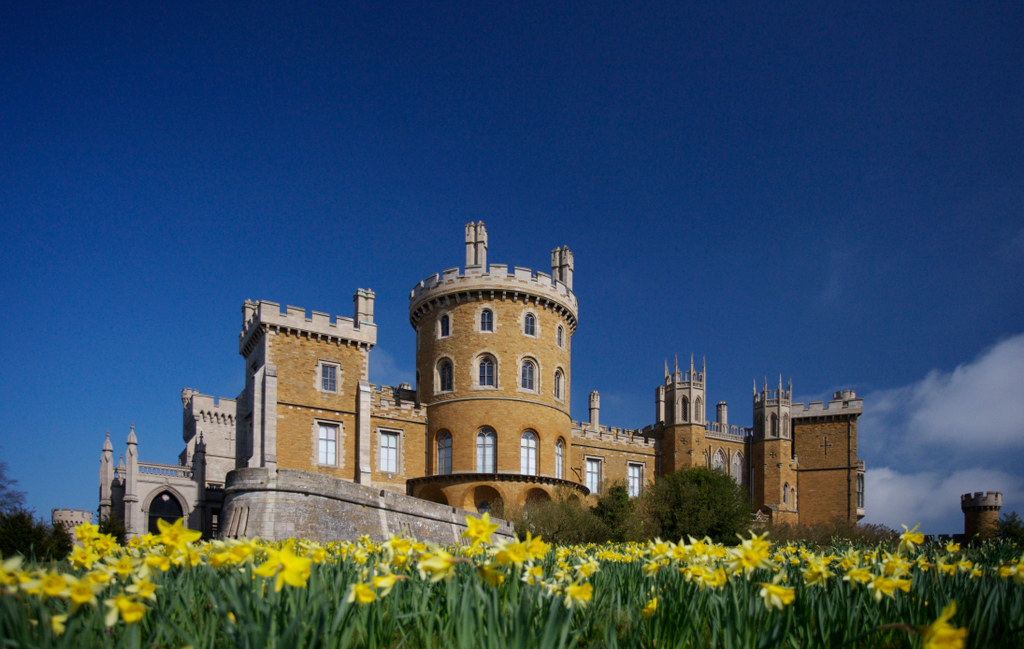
(860, 492)
(528, 453)
(444, 453)
(447, 376)
(593, 475)
(559, 336)
(389, 452)
(485, 451)
(684, 409)
(785, 494)
(559, 459)
(328, 445)
(528, 371)
(486, 320)
(446, 326)
(328, 378)
(558, 384)
(487, 372)
(774, 423)
(530, 325)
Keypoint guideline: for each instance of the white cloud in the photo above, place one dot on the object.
(932, 498)
(385, 371)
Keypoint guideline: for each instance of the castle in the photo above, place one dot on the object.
(486, 425)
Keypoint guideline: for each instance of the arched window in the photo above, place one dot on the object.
(684, 409)
(785, 494)
(737, 468)
(785, 425)
(485, 451)
(559, 459)
(487, 371)
(447, 376)
(719, 461)
(530, 325)
(528, 453)
(166, 507)
(527, 375)
(446, 326)
(698, 408)
(559, 336)
(444, 453)
(774, 425)
(792, 496)
(759, 425)
(486, 320)
(558, 384)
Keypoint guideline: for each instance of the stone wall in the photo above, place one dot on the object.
(286, 503)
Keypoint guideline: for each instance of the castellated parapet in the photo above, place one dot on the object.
(844, 402)
(981, 501)
(493, 283)
(358, 331)
(981, 513)
(70, 518)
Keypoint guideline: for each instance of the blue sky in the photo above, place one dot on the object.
(831, 191)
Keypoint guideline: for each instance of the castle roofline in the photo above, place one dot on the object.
(263, 315)
(844, 402)
(493, 282)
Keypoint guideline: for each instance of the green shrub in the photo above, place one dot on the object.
(21, 533)
(698, 502)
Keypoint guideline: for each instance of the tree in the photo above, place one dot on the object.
(699, 502)
(618, 512)
(21, 533)
(1011, 527)
(11, 499)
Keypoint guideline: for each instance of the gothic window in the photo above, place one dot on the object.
(486, 372)
(447, 376)
(560, 336)
(486, 320)
(684, 409)
(446, 326)
(737, 468)
(558, 384)
(792, 496)
(389, 452)
(485, 451)
(527, 375)
(774, 421)
(593, 475)
(444, 453)
(166, 507)
(528, 453)
(860, 491)
(698, 408)
(530, 325)
(785, 494)
(559, 459)
(785, 425)
(635, 473)
(719, 461)
(328, 450)
(759, 426)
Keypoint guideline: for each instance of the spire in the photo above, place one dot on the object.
(755, 387)
(107, 446)
(677, 364)
(131, 436)
(780, 382)
(691, 364)
(790, 387)
(666, 369)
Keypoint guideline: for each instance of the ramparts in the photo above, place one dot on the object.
(611, 434)
(495, 282)
(844, 402)
(268, 314)
(981, 501)
(284, 503)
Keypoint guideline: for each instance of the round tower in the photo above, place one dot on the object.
(493, 365)
(981, 513)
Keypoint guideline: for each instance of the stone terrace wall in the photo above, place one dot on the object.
(285, 503)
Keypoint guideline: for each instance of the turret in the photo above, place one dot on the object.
(981, 513)
(476, 246)
(684, 395)
(132, 511)
(562, 265)
(363, 300)
(595, 410)
(106, 477)
(772, 411)
(722, 414)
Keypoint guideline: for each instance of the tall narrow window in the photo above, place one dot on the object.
(635, 479)
(737, 467)
(528, 453)
(444, 453)
(774, 422)
(559, 459)
(559, 336)
(530, 325)
(485, 451)
(446, 326)
(328, 445)
(719, 461)
(860, 492)
(486, 320)
(785, 494)
(487, 371)
(328, 378)
(558, 384)
(447, 376)
(698, 410)
(684, 409)
(528, 371)
(593, 475)
(389, 452)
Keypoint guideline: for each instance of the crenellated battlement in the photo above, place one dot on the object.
(981, 501)
(72, 517)
(623, 436)
(495, 282)
(264, 315)
(844, 402)
(398, 400)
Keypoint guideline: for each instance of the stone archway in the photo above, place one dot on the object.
(536, 496)
(484, 498)
(434, 494)
(164, 506)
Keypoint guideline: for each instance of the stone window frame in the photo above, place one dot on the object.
(538, 373)
(587, 459)
(443, 434)
(494, 450)
(736, 463)
(785, 494)
(720, 453)
(399, 449)
(536, 322)
(640, 478)
(339, 442)
(559, 392)
(478, 315)
(683, 409)
(524, 447)
(451, 325)
(474, 371)
(560, 336)
(318, 376)
(698, 410)
(560, 458)
(438, 388)
(859, 486)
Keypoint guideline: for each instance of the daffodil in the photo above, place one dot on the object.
(362, 593)
(57, 623)
(651, 607)
(286, 567)
(776, 596)
(910, 539)
(479, 530)
(941, 634)
(577, 594)
(127, 608)
(175, 534)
